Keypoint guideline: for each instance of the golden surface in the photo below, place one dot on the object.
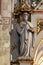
(39, 25)
(40, 60)
(31, 61)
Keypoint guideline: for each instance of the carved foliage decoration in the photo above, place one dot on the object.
(39, 25)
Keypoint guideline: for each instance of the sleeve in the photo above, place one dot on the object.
(30, 24)
(19, 29)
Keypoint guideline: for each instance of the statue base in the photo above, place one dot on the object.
(25, 61)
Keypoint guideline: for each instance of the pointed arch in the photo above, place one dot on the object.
(38, 46)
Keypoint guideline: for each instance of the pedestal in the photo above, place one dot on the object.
(25, 61)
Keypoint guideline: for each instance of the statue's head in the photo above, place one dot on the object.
(25, 16)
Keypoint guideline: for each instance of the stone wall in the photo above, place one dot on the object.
(5, 21)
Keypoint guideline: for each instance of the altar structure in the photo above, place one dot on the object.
(21, 32)
(36, 20)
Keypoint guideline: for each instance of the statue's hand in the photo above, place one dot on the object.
(33, 30)
(22, 24)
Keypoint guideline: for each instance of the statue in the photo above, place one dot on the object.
(25, 30)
